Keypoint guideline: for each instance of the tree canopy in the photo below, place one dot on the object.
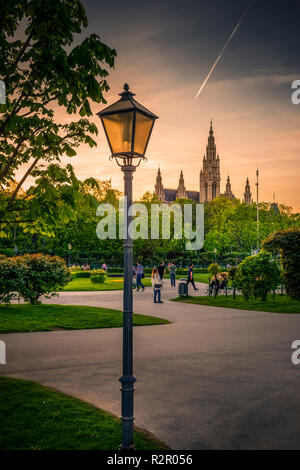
(44, 71)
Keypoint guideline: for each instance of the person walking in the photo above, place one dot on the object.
(134, 276)
(161, 270)
(157, 285)
(139, 276)
(172, 269)
(190, 278)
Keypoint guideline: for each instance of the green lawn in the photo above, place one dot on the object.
(34, 417)
(116, 283)
(281, 304)
(25, 317)
(111, 283)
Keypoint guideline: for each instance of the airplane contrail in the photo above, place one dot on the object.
(222, 51)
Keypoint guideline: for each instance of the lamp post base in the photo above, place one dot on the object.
(127, 418)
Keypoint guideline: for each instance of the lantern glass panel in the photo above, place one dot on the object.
(143, 126)
(119, 131)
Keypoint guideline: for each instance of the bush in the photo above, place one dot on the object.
(81, 274)
(287, 244)
(98, 276)
(214, 269)
(257, 275)
(42, 275)
(11, 278)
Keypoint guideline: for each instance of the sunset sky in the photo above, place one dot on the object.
(165, 50)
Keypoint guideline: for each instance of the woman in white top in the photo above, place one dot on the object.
(157, 285)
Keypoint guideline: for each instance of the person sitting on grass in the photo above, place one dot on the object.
(157, 285)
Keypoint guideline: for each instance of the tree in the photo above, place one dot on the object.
(230, 225)
(287, 244)
(44, 73)
(258, 275)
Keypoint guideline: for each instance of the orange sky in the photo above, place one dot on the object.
(248, 133)
(248, 97)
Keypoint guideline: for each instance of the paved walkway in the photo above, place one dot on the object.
(214, 378)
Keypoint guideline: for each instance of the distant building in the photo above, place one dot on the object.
(228, 193)
(247, 193)
(210, 180)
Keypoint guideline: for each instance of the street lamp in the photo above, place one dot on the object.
(215, 252)
(128, 126)
(69, 248)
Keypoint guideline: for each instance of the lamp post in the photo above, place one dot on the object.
(127, 126)
(215, 252)
(69, 248)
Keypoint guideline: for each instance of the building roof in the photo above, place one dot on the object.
(194, 195)
(170, 194)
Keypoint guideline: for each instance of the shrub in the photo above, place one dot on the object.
(42, 275)
(98, 276)
(214, 269)
(80, 274)
(11, 278)
(257, 275)
(287, 244)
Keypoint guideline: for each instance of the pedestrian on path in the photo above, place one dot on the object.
(134, 276)
(157, 285)
(190, 278)
(139, 276)
(172, 269)
(161, 269)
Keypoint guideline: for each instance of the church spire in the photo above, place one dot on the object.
(159, 189)
(247, 193)
(181, 192)
(228, 192)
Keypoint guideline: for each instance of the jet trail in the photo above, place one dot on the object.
(222, 51)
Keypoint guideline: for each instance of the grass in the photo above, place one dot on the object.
(281, 304)
(85, 284)
(34, 417)
(26, 318)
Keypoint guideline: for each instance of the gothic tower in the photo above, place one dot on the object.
(210, 174)
(159, 189)
(181, 191)
(247, 193)
(228, 192)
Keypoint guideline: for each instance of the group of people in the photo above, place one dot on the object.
(157, 278)
(218, 283)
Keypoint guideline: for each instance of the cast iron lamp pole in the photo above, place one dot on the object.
(128, 126)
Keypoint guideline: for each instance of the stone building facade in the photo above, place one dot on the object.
(210, 180)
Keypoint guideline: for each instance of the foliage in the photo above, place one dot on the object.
(232, 272)
(214, 269)
(287, 243)
(44, 75)
(98, 276)
(79, 229)
(80, 274)
(11, 278)
(44, 274)
(257, 275)
(230, 225)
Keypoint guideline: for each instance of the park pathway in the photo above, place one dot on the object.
(214, 378)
